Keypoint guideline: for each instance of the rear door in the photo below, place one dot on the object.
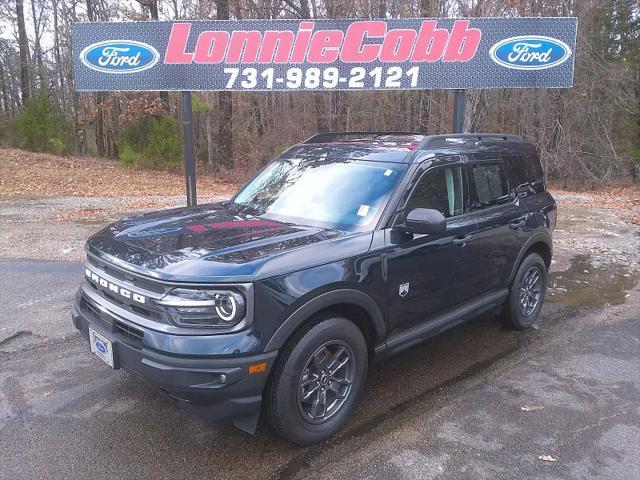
(500, 216)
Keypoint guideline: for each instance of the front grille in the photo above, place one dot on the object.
(133, 334)
(126, 277)
(86, 303)
(147, 310)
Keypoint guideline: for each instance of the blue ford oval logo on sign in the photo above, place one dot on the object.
(119, 56)
(530, 52)
(101, 347)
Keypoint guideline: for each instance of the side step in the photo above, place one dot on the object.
(438, 324)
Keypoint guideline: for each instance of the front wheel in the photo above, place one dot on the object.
(526, 297)
(317, 381)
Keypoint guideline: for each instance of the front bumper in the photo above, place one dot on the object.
(214, 387)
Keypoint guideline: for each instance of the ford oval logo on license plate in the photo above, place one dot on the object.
(119, 56)
(530, 52)
(101, 347)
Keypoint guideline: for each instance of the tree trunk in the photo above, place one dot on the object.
(209, 137)
(153, 12)
(318, 97)
(23, 43)
(100, 142)
(321, 118)
(256, 115)
(37, 47)
(304, 9)
(4, 101)
(225, 105)
(56, 52)
(428, 8)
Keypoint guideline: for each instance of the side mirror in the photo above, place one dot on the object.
(424, 221)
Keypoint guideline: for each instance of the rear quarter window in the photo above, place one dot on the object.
(524, 168)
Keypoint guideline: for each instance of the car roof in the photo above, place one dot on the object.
(400, 147)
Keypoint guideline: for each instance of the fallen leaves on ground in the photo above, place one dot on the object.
(42, 175)
(115, 211)
(547, 458)
(618, 198)
(531, 408)
(82, 214)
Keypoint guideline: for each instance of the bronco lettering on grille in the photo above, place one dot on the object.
(112, 287)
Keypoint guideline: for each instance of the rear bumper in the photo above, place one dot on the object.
(212, 387)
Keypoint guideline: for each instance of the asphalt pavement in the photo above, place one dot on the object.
(478, 402)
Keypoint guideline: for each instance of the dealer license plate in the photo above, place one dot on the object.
(101, 347)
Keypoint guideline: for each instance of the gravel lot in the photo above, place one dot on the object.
(56, 228)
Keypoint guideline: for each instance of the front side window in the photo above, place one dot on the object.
(490, 184)
(439, 189)
(333, 193)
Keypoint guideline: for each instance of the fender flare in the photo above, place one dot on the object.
(538, 237)
(325, 300)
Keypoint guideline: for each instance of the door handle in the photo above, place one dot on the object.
(462, 240)
(516, 224)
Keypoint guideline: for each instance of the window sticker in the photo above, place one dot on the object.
(388, 172)
(363, 210)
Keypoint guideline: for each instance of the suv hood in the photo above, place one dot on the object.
(214, 243)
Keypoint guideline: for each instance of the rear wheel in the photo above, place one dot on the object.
(526, 297)
(317, 381)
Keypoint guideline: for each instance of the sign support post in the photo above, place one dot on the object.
(188, 150)
(458, 111)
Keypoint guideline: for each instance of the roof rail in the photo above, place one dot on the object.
(431, 139)
(329, 137)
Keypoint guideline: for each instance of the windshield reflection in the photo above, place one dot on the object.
(334, 193)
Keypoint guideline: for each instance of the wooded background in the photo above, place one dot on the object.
(589, 134)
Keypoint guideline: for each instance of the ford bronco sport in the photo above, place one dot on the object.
(347, 248)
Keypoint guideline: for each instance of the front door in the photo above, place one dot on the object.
(425, 273)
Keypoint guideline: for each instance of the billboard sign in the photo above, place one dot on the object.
(291, 55)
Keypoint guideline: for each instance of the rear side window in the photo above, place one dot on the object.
(489, 185)
(524, 169)
(439, 189)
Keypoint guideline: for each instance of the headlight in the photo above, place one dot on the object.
(204, 308)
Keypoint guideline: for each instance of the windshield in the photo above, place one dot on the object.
(344, 194)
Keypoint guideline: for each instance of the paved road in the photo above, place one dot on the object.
(451, 408)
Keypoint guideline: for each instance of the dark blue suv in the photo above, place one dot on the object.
(345, 249)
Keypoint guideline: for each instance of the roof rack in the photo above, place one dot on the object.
(467, 137)
(330, 137)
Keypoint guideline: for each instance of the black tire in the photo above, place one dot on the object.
(514, 313)
(285, 411)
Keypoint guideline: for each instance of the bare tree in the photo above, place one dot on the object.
(225, 106)
(152, 7)
(37, 18)
(23, 43)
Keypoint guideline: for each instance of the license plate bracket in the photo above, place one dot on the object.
(101, 347)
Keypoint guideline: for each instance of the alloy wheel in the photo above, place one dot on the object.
(326, 381)
(530, 291)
